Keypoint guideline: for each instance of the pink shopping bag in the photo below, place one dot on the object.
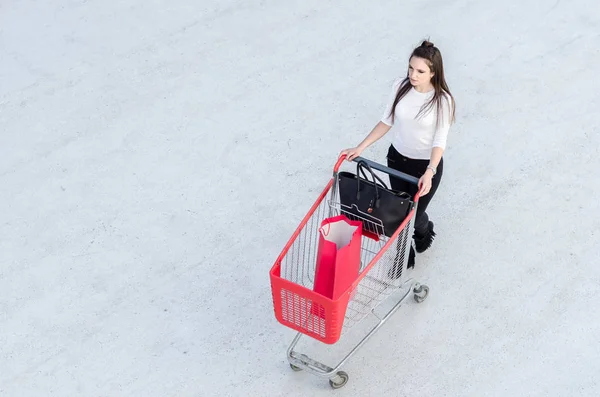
(338, 256)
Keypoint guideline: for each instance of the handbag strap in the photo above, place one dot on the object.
(361, 165)
(360, 169)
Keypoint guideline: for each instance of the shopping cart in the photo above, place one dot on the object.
(383, 267)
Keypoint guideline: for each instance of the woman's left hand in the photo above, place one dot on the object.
(425, 182)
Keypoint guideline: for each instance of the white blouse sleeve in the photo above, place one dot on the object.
(440, 136)
(386, 117)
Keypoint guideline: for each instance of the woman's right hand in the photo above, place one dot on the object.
(352, 153)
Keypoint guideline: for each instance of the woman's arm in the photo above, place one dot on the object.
(436, 157)
(425, 181)
(439, 145)
(376, 133)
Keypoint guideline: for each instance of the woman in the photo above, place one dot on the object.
(421, 110)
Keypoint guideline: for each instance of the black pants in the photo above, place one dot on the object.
(415, 168)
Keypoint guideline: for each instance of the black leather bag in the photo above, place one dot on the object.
(371, 201)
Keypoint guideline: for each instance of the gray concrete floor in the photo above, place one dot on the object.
(156, 156)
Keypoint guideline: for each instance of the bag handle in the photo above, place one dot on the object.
(360, 169)
(363, 164)
(379, 167)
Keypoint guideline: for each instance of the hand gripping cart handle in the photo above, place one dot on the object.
(382, 271)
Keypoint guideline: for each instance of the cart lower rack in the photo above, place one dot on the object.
(383, 267)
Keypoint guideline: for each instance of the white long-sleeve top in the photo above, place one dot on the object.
(412, 137)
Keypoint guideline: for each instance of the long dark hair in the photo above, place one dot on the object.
(432, 56)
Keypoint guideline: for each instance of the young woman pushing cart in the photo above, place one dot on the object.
(419, 111)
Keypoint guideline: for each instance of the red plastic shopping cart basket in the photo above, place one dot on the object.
(298, 307)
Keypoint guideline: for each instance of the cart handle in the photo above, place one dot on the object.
(379, 167)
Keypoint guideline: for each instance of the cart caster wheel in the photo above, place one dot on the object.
(340, 380)
(295, 368)
(421, 293)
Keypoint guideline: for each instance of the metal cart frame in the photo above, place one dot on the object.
(384, 262)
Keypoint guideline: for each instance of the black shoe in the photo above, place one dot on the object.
(411, 258)
(423, 242)
(396, 271)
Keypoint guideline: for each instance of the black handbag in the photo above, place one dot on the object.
(372, 202)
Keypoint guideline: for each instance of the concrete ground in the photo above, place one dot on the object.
(155, 156)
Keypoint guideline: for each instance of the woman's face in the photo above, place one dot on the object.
(419, 72)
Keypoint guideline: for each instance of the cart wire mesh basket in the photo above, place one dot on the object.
(383, 262)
